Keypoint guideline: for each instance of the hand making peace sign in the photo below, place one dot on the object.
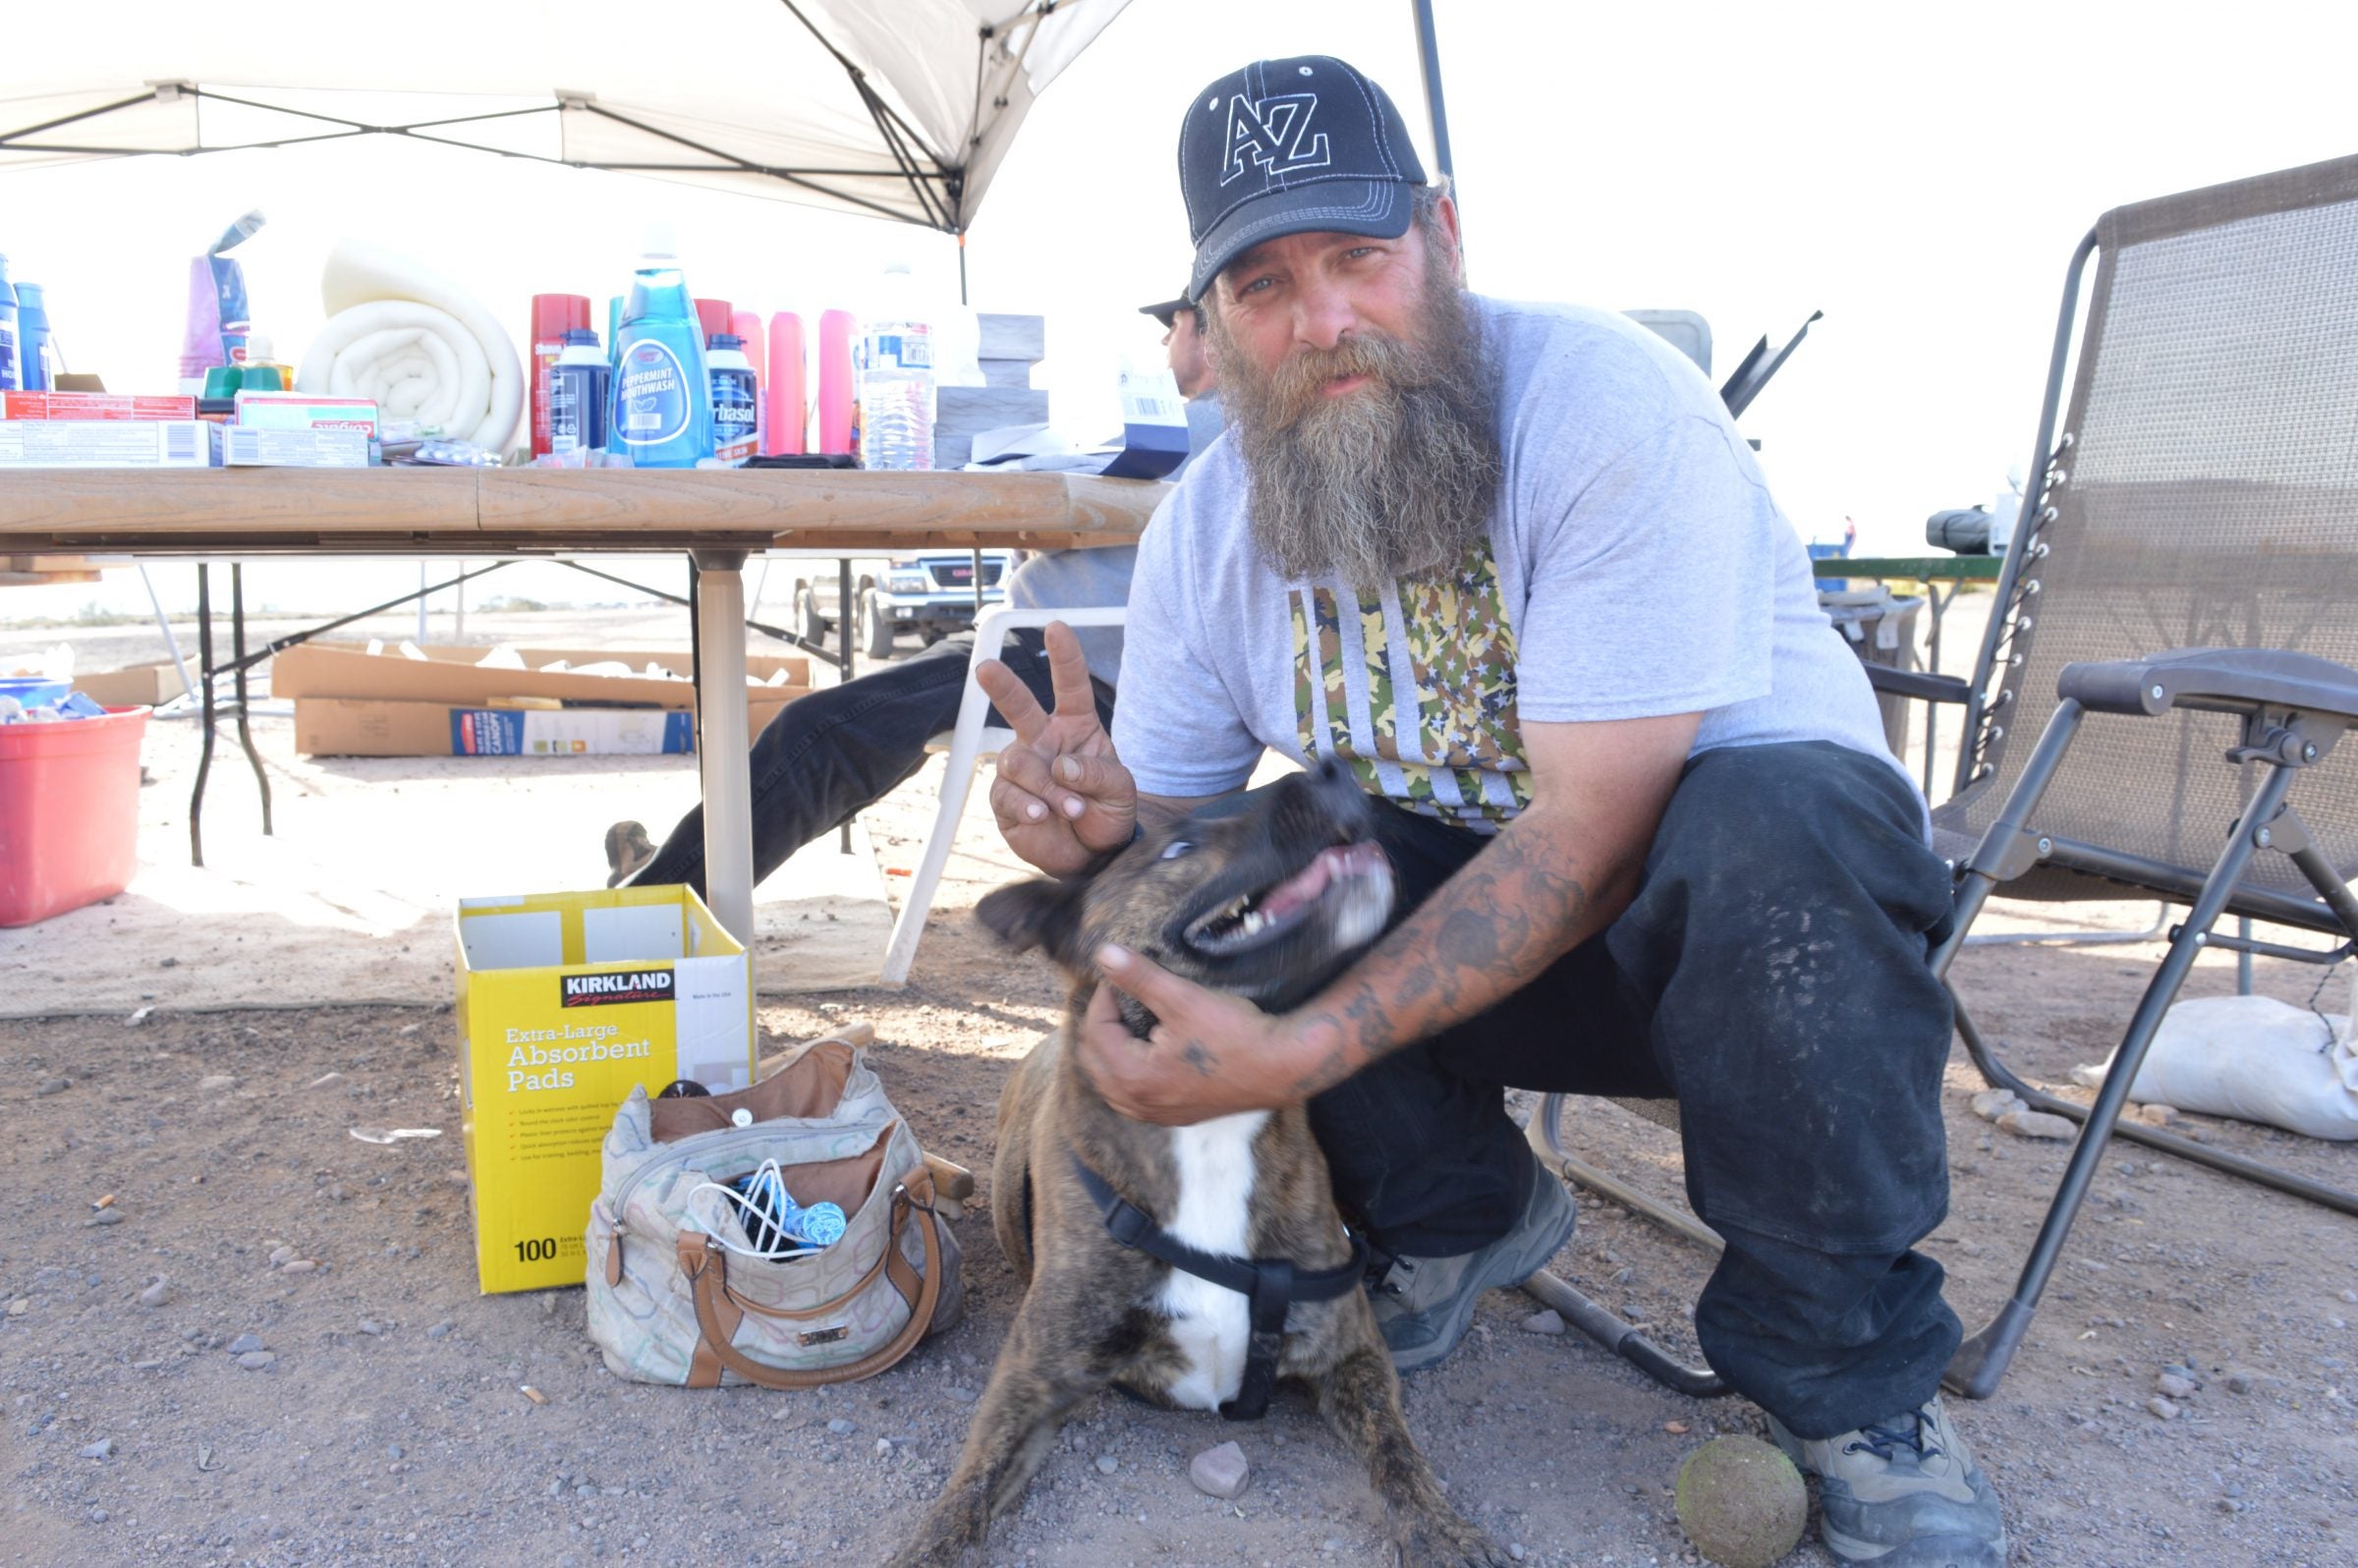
(1061, 797)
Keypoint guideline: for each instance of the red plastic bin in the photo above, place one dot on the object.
(69, 813)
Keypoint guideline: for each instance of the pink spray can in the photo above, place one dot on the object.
(783, 396)
(747, 324)
(837, 400)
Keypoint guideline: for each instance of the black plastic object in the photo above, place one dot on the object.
(1963, 529)
(803, 460)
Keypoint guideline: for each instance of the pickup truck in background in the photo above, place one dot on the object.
(928, 593)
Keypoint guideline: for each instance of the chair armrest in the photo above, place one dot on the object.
(991, 632)
(2225, 679)
(1917, 684)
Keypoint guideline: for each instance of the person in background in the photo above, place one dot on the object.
(829, 755)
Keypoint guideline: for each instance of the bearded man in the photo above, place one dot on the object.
(1513, 567)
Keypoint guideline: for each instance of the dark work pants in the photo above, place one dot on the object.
(830, 756)
(1771, 975)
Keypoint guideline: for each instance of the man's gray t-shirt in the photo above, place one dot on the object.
(1635, 566)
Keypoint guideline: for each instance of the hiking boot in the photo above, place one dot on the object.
(1902, 1492)
(1424, 1305)
(628, 848)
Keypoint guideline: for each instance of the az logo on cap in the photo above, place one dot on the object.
(1274, 132)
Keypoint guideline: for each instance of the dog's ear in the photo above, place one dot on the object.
(1042, 912)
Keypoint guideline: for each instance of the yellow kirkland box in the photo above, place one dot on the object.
(565, 1001)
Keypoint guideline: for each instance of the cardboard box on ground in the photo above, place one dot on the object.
(565, 1001)
(351, 702)
(139, 685)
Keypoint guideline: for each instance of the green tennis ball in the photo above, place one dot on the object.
(1741, 1502)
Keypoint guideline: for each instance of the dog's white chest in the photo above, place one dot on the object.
(1215, 1212)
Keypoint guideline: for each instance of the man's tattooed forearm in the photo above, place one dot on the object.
(1334, 1063)
(1486, 931)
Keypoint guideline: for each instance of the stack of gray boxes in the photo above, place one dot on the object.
(1011, 345)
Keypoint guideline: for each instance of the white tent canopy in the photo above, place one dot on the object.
(896, 108)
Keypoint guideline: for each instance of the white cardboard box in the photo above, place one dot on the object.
(262, 446)
(105, 444)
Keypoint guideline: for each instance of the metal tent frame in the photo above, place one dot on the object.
(928, 176)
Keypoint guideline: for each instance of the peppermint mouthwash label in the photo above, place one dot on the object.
(653, 403)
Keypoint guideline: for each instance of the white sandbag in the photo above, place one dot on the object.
(417, 344)
(2253, 1058)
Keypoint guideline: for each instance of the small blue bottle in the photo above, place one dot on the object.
(36, 346)
(12, 375)
(662, 410)
(578, 395)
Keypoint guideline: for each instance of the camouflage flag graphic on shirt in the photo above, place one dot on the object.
(1437, 732)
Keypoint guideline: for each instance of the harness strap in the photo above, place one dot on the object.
(1269, 1285)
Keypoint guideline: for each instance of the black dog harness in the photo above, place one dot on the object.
(1269, 1284)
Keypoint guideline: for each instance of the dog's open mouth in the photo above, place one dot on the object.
(1353, 880)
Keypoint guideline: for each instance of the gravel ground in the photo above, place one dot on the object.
(181, 1388)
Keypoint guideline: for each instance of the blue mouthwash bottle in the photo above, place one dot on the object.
(662, 415)
(11, 370)
(36, 345)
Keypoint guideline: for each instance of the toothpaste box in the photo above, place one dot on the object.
(300, 410)
(105, 444)
(566, 1002)
(262, 446)
(93, 406)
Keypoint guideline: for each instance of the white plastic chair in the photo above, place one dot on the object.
(969, 743)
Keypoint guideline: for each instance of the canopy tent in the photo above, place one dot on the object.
(899, 109)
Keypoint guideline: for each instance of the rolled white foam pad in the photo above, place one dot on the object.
(417, 344)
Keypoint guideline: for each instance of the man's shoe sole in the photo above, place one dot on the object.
(1930, 1552)
(1506, 1271)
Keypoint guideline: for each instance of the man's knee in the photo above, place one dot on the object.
(1780, 934)
(1813, 827)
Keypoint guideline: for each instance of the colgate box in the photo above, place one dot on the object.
(566, 1001)
(303, 411)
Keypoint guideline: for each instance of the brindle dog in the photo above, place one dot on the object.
(1267, 896)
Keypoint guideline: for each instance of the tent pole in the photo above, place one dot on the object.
(1428, 55)
(962, 299)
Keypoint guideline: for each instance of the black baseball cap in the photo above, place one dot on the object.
(1292, 147)
(1167, 312)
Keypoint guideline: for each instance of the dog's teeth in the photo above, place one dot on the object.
(1255, 919)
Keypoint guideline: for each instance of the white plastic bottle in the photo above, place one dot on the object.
(894, 368)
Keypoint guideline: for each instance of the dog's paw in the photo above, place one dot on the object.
(936, 1554)
(1444, 1541)
(939, 1547)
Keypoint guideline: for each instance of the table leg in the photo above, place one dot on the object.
(1932, 711)
(204, 676)
(843, 666)
(237, 653)
(723, 741)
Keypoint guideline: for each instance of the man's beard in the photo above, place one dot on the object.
(1394, 480)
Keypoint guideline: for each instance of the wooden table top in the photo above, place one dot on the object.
(414, 511)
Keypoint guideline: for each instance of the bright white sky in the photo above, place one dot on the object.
(1919, 174)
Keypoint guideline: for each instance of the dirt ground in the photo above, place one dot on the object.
(385, 1422)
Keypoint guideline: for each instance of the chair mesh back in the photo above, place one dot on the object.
(2208, 497)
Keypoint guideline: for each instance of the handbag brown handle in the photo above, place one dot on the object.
(717, 1312)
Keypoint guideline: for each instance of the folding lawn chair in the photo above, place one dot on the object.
(2179, 616)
